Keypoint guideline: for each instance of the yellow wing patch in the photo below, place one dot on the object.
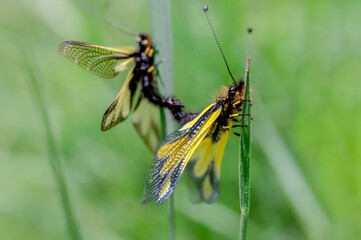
(203, 156)
(220, 151)
(205, 165)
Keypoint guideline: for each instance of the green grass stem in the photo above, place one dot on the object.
(162, 36)
(54, 158)
(245, 148)
(245, 156)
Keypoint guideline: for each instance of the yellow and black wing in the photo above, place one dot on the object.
(105, 62)
(174, 154)
(205, 164)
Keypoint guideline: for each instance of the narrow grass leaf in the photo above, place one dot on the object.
(161, 32)
(54, 158)
(245, 151)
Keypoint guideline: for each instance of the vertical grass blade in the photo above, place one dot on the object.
(162, 36)
(245, 152)
(161, 32)
(54, 157)
(245, 156)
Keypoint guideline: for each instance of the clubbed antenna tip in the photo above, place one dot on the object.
(205, 8)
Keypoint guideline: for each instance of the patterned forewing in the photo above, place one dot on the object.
(174, 139)
(120, 107)
(102, 61)
(174, 154)
(176, 145)
(168, 170)
(155, 181)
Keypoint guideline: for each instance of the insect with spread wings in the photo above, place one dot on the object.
(200, 142)
(108, 62)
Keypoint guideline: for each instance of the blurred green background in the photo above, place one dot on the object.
(305, 169)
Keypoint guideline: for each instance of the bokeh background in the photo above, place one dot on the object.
(306, 76)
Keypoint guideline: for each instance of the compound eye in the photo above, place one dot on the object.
(232, 90)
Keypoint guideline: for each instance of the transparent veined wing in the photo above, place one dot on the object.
(102, 61)
(120, 107)
(146, 120)
(174, 154)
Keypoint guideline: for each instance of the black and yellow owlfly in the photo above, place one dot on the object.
(108, 62)
(200, 142)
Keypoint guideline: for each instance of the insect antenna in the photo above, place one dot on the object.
(205, 10)
(92, 10)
